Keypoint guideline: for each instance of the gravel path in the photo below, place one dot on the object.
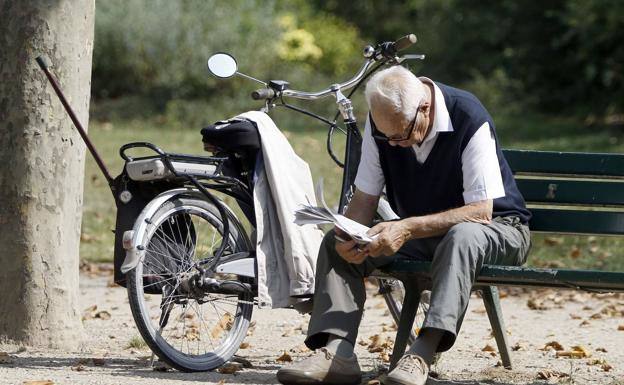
(534, 319)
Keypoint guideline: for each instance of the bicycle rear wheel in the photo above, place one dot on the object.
(190, 332)
(394, 293)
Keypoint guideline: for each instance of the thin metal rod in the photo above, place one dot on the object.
(44, 66)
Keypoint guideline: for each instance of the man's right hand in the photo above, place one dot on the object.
(349, 250)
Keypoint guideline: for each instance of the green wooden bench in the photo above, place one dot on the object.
(568, 193)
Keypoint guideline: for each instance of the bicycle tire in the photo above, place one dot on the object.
(393, 293)
(232, 325)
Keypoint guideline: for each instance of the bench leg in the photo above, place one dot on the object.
(495, 314)
(408, 314)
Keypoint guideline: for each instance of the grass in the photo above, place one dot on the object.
(533, 132)
(136, 342)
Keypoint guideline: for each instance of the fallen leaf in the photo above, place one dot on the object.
(553, 345)
(575, 252)
(44, 382)
(230, 368)
(385, 357)
(362, 342)
(603, 350)
(161, 367)
(225, 324)
(5, 358)
(596, 316)
(488, 348)
(244, 345)
(104, 315)
(243, 361)
(584, 323)
(284, 358)
(606, 367)
(553, 241)
(548, 374)
(536, 304)
(621, 328)
(576, 352)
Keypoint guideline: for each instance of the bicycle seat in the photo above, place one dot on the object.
(234, 135)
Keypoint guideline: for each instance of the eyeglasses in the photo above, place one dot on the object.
(380, 136)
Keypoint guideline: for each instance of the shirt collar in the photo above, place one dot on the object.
(441, 120)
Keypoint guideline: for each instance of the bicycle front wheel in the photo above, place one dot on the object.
(190, 332)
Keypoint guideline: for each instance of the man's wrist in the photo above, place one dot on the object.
(407, 228)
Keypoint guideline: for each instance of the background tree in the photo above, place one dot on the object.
(41, 172)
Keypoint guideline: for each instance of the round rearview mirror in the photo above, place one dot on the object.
(222, 65)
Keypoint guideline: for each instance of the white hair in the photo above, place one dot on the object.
(395, 87)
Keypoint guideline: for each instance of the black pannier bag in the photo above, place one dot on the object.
(142, 193)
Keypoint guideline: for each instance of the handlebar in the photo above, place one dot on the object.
(383, 52)
(263, 93)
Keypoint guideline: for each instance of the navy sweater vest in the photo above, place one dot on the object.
(415, 189)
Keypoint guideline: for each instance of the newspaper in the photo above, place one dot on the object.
(314, 215)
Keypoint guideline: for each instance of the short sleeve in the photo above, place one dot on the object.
(369, 178)
(481, 168)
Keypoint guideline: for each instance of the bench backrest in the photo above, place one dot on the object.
(571, 192)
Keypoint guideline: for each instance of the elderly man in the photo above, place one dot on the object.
(435, 150)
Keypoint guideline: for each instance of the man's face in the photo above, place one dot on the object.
(394, 126)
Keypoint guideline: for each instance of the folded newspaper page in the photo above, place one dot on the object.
(313, 215)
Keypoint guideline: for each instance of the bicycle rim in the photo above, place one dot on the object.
(188, 332)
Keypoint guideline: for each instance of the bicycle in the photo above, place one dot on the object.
(176, 239)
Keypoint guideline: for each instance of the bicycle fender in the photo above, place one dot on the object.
(133, 239)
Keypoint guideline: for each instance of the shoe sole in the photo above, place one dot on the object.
(298, 378)
(391, 381)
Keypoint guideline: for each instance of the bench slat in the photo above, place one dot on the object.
(570, 191)
(604, 281)
(574, 163)
(577, 221)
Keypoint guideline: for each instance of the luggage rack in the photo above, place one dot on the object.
(183, 167)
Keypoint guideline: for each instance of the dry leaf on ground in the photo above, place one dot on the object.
(553, 345)
(548, 374)
(488, 348)
(621, 328)
(284, 358)
(244, 345)
(5, 358)
(576, 352)
(553, 241)
(40, 382)
(230, 368)
(103, 315)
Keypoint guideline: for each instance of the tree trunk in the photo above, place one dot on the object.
(41, 169)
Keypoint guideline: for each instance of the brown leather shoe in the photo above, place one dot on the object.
(323, 367)
(410, 370)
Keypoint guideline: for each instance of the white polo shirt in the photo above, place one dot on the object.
(481, 171)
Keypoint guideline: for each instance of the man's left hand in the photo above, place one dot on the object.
(390, 237)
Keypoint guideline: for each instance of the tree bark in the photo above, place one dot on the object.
(41, 169)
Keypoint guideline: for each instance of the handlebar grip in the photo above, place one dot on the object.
(405, 42)
(263, 93)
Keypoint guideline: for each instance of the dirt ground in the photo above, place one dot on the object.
(562, 319)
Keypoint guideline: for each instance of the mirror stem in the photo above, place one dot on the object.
(250, 78)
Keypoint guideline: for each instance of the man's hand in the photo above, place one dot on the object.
(349, 250)
(390, 237)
